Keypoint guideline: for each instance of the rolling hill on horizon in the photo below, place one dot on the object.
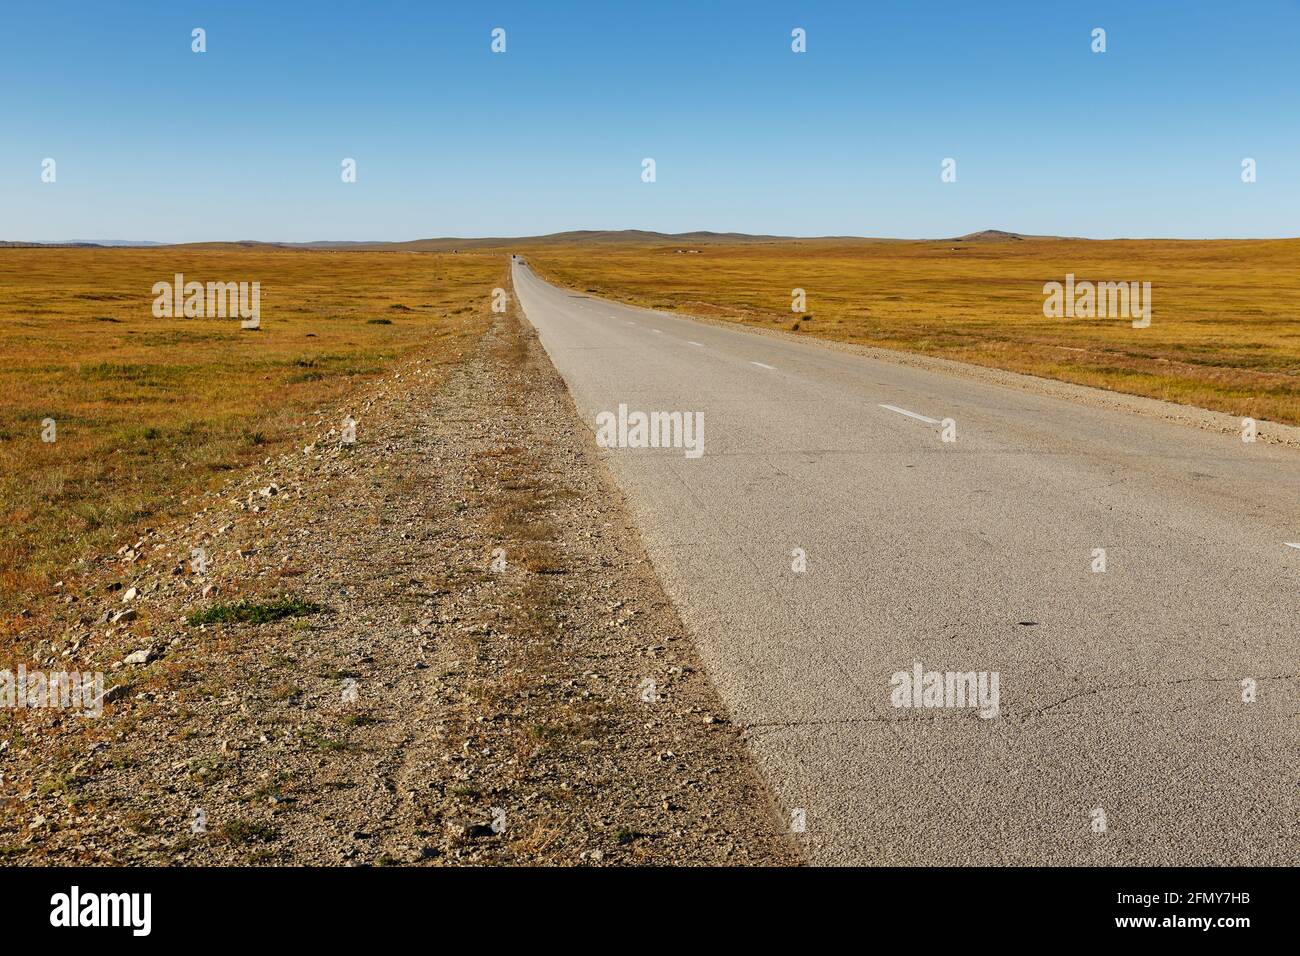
(594, 237)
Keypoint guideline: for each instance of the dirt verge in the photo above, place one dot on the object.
(439, 644)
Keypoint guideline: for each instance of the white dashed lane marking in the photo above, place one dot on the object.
(904, 411)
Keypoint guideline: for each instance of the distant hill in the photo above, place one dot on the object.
(81, 243)
(578, 236)
(112, 242)
(997, 235)
(635, 237)
(572, 237)
(36, 245)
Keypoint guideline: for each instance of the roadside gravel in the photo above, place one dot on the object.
(482, 668)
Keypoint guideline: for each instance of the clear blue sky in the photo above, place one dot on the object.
(245, 141)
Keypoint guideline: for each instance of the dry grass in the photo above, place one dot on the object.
(151, 410)
(1225, 329)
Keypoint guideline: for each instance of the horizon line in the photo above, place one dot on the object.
(986, 234)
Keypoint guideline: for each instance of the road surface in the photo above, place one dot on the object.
(1121, 735)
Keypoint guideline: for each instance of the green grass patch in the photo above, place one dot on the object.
(253, 612)
(359, 720)
(244, 832)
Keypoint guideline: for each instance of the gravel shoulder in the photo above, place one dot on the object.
(478, 666)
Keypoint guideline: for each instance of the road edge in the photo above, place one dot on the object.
(1204, 419)
(634, 540)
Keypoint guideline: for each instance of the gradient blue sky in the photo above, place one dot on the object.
(245, 141)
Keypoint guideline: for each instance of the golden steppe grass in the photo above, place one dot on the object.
(1224, 333)
(151, 410)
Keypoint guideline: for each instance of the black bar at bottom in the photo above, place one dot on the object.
(334, 906)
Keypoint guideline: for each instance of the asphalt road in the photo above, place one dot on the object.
(1120, 692)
